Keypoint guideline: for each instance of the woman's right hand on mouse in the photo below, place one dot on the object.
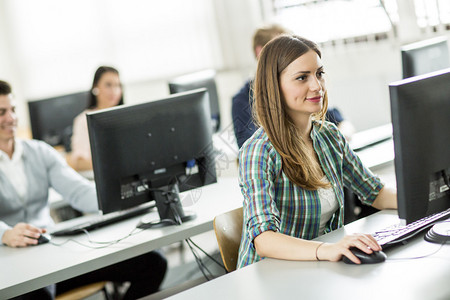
(334, 252)
(22, 235)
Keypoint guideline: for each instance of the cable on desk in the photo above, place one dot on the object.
(175, 213)
(419, 257)
(104, 244)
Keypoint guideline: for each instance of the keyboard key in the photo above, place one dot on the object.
(397, 234)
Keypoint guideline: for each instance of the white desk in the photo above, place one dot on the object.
(376, 155)
(369, 136)
(426, 278)
(26, 269)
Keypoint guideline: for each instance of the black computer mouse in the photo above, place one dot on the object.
(373, 258)
(43, 239)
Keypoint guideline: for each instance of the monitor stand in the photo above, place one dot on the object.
(439, 233)
(169, 206)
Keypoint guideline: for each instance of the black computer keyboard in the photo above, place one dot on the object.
(397, 234)
(103, 220)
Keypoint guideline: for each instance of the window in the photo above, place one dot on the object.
(325, 21)
(432, 12)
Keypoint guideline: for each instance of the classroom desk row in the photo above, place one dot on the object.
(375, 146)
(34, 267)
(415, 271)
(27, 269)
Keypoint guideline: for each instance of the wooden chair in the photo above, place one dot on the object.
(228, 229)
(84, 291)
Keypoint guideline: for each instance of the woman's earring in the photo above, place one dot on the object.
(95, 91)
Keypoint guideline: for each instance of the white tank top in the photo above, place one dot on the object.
(328, 204)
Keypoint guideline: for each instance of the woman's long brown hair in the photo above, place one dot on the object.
(270, 111)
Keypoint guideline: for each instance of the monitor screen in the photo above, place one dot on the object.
(420, 108)
(425, 57)
(203, 79)
(51, 119)
(151, 151)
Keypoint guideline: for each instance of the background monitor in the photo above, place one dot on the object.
(203, 79)
(152, 151)
(51, 119)
(420, 108)
(425, 57)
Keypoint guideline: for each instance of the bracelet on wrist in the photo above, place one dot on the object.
(317, 257)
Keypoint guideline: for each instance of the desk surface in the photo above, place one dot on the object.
(377, 156)
(397, 278)
(373, 153)
(362, 139)
(26, 269)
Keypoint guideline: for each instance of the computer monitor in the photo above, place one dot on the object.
(51, 119)
(202, 79)
(152, 151)
(420, 108)
(425, 57)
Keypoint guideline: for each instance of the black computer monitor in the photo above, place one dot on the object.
(202, 79)
(420, 108)
(425, 57)
(152, 151)
(51, 119)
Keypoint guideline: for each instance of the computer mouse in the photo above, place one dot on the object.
(373, 258)
(43, 239)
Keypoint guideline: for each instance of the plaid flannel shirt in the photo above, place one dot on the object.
(273, 202)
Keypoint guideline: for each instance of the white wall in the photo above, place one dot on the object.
(358, 78)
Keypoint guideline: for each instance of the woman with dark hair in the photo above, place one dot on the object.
(106, 92)
(293, 169)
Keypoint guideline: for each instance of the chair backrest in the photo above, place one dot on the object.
(84, 291)
(228, 229)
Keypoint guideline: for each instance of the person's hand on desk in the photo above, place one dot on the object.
(22, 235)
(277, 245)
(336, 251)
(386, 199)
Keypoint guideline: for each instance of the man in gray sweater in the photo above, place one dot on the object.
(28, 168)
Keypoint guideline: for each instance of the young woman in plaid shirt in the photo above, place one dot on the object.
(293, 169)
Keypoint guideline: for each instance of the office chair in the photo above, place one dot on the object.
(85, 291)
(354, 209)
(228, 230)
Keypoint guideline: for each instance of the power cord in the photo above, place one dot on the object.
(191, 245)
(198, 260)
(422, 256)
(104, 244)
(178, 221)
(209, 256)
(200, 263)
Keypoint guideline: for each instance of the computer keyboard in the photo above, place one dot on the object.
(397, 234)
(103, 220)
